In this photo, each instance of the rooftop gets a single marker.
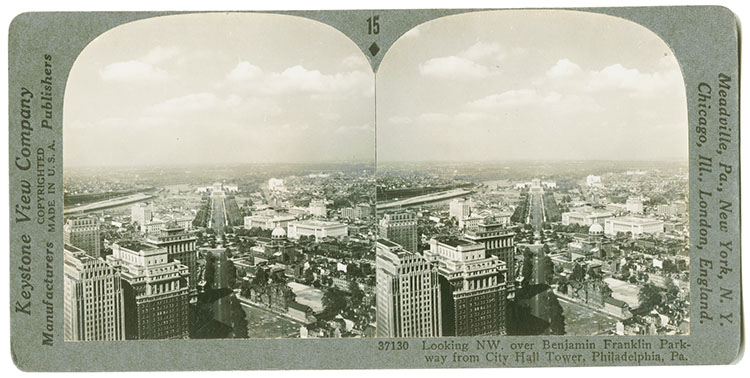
(318, 223)
(635, 220)
(454, 241)
(387, 243)
(72, 248)
(135, 245)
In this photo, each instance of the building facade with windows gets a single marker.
(400, 228)
(472, 286)
(316, 228)
(93, 301)
(408, 293)
(637, 226)
(180, 247)
(156, 291)
(84, 233)
(497, 241)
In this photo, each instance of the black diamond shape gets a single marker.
(374, 49)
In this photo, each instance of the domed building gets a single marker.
(596, 229)
(278, 233)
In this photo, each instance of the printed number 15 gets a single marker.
(373, 25)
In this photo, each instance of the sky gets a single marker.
(219, 89)
(530, 85)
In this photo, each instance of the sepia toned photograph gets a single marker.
(208, 191)
(320, 190)
(532, 179)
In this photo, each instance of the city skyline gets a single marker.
(238, 171)
(522, 85)
(219, 89)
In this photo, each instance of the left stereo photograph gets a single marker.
(207, 193)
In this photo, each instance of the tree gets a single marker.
(528, 265)
(261, 277)
(231, 274)
(356, 293)
(578, 273)
(649, 296)
(593, 274)
(209, 274)
(549, 269)
(309, 277)
(671, 290)
(334, 300)
(669, 267)
(352, 270)
(556, 317)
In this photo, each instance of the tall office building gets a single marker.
(92, 298)
(180, 247)
(408, 293)
(318, 208)
(634, 205)
(400, 228)
(156, 291)
(460, 208)
(472, 287)
(141, 213)
(497, 242)
(83, 232)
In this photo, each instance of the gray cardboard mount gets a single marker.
(705, 41)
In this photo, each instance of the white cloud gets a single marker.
(355, 128)
(514, 98)
(330, 116)
(140, 69)
(113, 122)
(472, 117)
(300, 79)
(131, 71)
(563, 68)
(205, 106)
(433, 118)
(618, 77)
(160, 54)
(466, 64)
(481, 50)
(244, 71)
(453, 67)
(400, 120)
(354, 61)
(193, 103)
(568, 77)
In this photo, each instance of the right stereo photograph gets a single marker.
(532, 179)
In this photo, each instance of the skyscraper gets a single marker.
(93, 298)
(141, 213)
(460, 208)
(156, 291)
(180, 246)
(318, 208)
(472, 286)
(83, 232)
(408, 293)
(497, 242)
(400, 228)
